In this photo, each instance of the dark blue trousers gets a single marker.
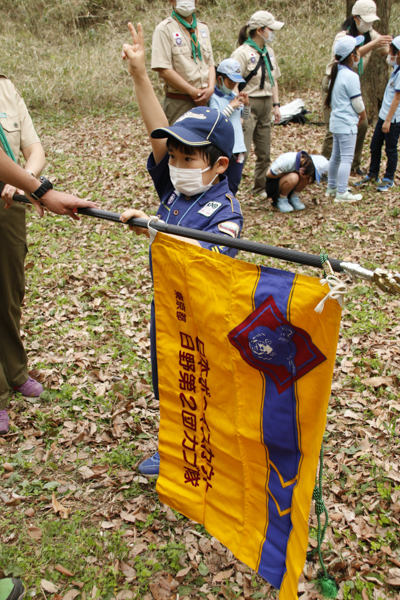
(390, 140)
(234, 173)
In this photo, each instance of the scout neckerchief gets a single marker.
(265, 55)
(5, 144)
(191, 28)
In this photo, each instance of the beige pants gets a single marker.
(13, 359)
(257, 129)
(328, 141)
(174, 108)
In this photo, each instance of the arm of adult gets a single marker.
(139, 214)
(392, 110)
(152, 113)
(56, 202)
(176, 81)
(379, 44)
(207, 92)
(35, 162)
(275, 100)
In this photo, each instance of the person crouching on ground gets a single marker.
(188, 166)
(289, 175)
(235, 107)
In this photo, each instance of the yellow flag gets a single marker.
(245, 367)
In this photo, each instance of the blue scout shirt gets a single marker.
(344, 118)
(215, 211)
(289, 162)
(220, 101)
(392, 87)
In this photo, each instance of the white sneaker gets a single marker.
(347, 197)
(330, 191)
(262, 194)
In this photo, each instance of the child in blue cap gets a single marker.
(289, 175)
(348, 110)
(387, 129)
(188, 166)
(236, 108)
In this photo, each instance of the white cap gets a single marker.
(262, 18)
(396, 42)
(346, 44)
(366, 9)
(320, 165)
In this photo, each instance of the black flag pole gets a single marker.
(386, 281)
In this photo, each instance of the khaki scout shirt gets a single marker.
(374, 34)
(248, 59)
(15, 119)
(172, 49)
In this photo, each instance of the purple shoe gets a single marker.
(4, 422)
(31, 388)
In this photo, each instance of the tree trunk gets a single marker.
(375, 77)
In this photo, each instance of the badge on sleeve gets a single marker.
(230, 228)
(252, 57)
(204, 33)
(171, 199)
(209, 209)
(177, 38)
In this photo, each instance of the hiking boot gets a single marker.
(4, 424)
(283, 205)
(367, 179)
(347, 197)
(385, 185)
(151, 466)
(30, 389)
(11, 589)
(296, 203)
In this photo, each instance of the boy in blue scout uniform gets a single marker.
(387, 129)
(187, 166)
(236, 107)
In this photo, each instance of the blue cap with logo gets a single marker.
(231, 68)
(346, 44)
(201, 126)
(321, 166)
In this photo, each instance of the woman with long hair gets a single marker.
(359, 23)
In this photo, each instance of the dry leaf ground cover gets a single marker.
(76, 518)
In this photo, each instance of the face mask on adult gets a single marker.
(269, 38)
(391, 60)
(363, 27)
(185, 7)
(189, 181)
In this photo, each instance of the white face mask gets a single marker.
(185, 7)
(364, 27)
(270, 38)
(355, 63)
(391, 60)
(189, 181)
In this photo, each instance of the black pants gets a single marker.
(390, 140)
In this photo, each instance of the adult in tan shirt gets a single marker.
(360, 23)
(260, 69)
(182, 55)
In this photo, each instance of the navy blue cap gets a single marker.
(201, 126)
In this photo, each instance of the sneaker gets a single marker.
(347, 197)
(4, 424)
(367, 179)
(296, 203)
(31, 388)
(11, 589)
(330, 192)
(262, 194)
(359, 172)
(283, 205)
(385, 185)
(151, 466)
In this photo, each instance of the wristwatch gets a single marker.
(45, 187)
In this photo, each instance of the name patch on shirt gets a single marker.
(230, 228)
(204, 33)
(209, 209)
(177, 38)
(171, 199)
(3, 115)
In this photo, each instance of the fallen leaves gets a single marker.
(48, 586)
(34, 532)
(59, 509)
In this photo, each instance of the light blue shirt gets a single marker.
(286, 163)
(220, 101)
(392, 87)
(344, 118)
